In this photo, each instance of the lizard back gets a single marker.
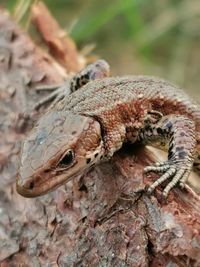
(105, 95)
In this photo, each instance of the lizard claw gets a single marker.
(169, 170)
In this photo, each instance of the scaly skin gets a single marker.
(92, 123)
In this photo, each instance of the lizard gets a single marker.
(102, 113)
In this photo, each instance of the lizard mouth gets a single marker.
(31, 189)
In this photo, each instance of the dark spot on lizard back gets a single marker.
(96, 154)
(159, 130)
(182, 155)
(86, 76)
(88, 160)
(171, 145)
(169, 125)
(170, 154)
(74, 132)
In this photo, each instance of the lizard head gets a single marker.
(58, 148)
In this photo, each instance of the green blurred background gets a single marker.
(157, 37)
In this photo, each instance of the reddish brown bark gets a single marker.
(60, 45)
(101, 219)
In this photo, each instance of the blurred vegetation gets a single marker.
(154, 37)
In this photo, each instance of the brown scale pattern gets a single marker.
(122, 103)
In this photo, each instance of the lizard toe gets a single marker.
(157, 167)
(168, 173)
(171, 171)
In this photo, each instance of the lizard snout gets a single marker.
(25, 187)
(29, 187)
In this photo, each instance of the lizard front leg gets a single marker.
(179, 133)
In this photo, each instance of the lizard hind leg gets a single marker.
(96, 70)
(179, 132)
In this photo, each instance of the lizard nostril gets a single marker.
(31, 185)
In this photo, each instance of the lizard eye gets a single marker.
(67, 159)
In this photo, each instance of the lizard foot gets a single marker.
(176, 172)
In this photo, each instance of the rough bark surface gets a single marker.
(101, 219)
